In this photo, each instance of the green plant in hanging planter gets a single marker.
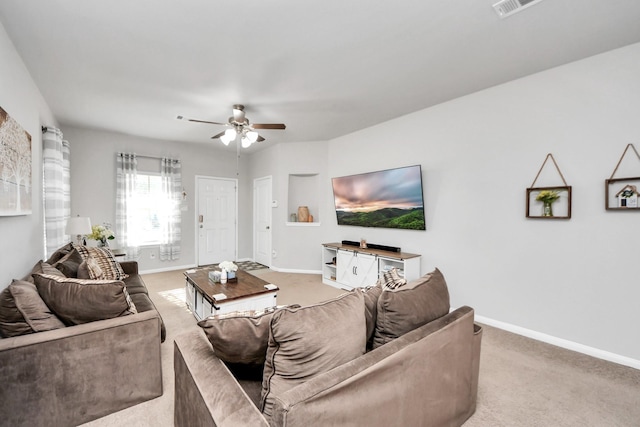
(547, 197)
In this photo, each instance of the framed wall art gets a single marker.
(622, 194)
(15, 167)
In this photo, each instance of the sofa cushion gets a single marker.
(308, 341)
(77, 301)
(371, 295)
(239, 337)
(69, 263)
(415, 304)
(135, 284)
(22, 311)
(105, 259)
(90, 269)
(143, 303)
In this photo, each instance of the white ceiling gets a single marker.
(325, 68)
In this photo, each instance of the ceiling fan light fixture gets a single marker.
(252, 136)
(239, 125)
(229, 135)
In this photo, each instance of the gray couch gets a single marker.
(72, 375)
(426, 377)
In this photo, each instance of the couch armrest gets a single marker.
(129, 267)
(206, 393)
(425, 377)
(76, 374)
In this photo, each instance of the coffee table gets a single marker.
(248, 292)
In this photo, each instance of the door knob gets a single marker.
(268, 228)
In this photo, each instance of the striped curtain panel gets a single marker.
(126, 174)
(171, 177)
(56, 188)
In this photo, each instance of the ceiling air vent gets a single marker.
(506, 8)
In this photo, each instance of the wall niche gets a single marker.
(303, 191)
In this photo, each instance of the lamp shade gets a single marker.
(229, 135)
(252, 136)
(78, 225)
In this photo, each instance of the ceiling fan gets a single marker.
(239, 125)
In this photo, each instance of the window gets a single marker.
(150, 209)
(148, 206)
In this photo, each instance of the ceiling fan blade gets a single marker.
(268, 126)
(200, 121)
(260, 139)
(217, 135)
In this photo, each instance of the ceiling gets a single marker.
(325, 68)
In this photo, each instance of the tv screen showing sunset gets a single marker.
(389, 198)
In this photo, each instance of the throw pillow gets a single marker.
(112, 270)
(77, 301)
(90, 269)
(308, 341)
(22, 311)
(41, 267)
(241, 336)
(404, 309)
(59, 253)
(391, 279)
(69, 263)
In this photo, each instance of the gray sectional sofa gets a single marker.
(426, 376)
(74, 374)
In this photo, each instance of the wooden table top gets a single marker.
(245, 285)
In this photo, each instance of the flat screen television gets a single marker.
(389, 198)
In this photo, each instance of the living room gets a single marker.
(559, 281)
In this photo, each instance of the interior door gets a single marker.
(216, 220)
(262, 220)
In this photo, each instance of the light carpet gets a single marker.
(523, 382)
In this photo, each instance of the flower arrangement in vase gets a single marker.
(547, 197)
(101, 233)
(230, 268)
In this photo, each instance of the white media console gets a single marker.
(348, 267)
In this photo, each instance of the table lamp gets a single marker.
(78, 226)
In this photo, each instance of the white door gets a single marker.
(216, 219)
(262, 220)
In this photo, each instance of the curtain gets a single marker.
(56, 188)
(126, 172)
(171, 178)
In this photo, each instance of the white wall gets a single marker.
(296, 248)
(93, 177)
(572, 279)
(21, 242)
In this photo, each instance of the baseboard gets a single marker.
(559, 342)
(293, 270)
(164, 270)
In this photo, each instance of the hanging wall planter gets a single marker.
(549, 202)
